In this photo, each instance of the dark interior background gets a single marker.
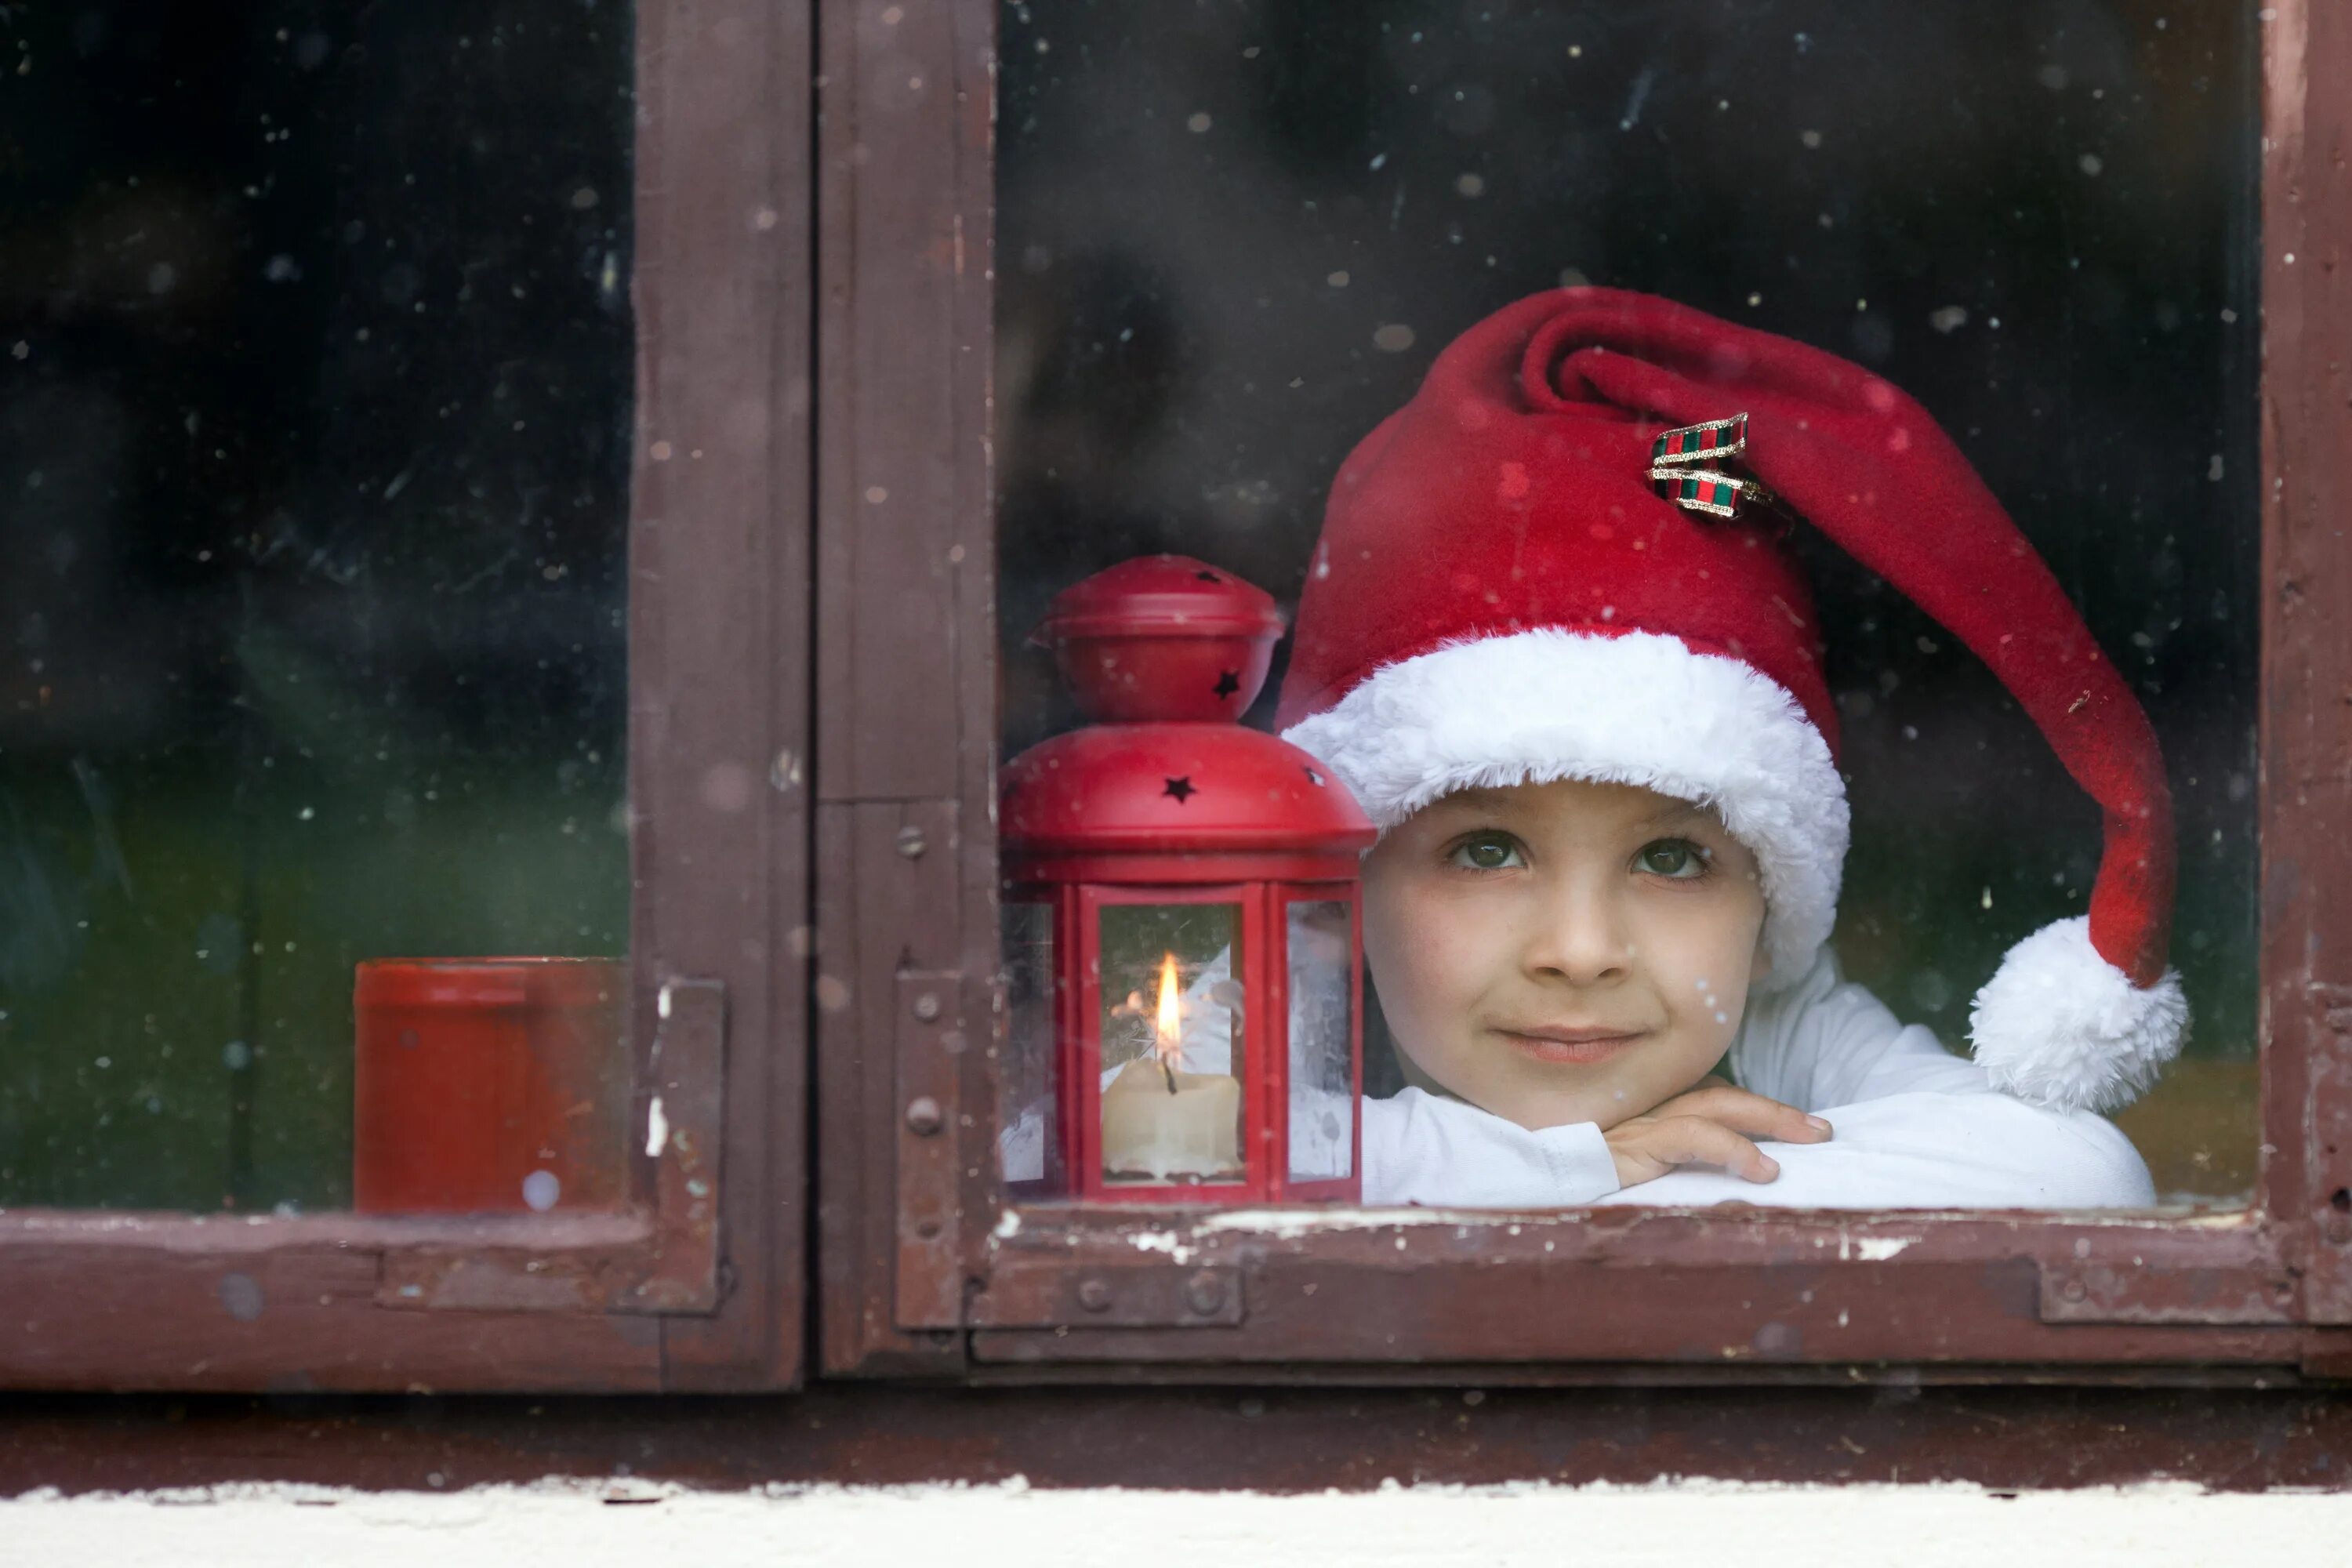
(314, 430)
(1233, 234)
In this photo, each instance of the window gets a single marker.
(935, 308)
(328, 663)
(369, 617)
(1226, 244)
(1210, 293)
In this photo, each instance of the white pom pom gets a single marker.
(2061, 1026)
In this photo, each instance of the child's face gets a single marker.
(1562, 952)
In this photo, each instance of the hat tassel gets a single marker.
(2059, 1026)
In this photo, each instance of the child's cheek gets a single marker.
(1410, 947)
(1701, 962)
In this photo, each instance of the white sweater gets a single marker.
(1915, 1128)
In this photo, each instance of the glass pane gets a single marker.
(316, 439)
(1233, 240)
(1322, 1041)
(1026, 1071)
(1171, 972)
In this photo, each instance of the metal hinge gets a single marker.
(938, 1014)
(1051, 1293)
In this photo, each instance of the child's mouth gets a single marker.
(1582, 1046)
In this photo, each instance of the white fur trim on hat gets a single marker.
(1636, 707)
(2062, 1026)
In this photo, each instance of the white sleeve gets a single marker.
(1419, 1148)
(1917, 1127)
(1926, 1150)
(1827, 1042)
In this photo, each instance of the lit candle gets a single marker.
(1160, 1121)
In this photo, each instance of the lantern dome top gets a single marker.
(1162, 637)
(1165, 653)
(1176, 789)
(1160, 596)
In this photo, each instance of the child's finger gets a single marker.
(1691, 1140)
(1753, 1114)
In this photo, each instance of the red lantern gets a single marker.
(1183, 934)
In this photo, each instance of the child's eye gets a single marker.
(1676, 858)
(1488, 852)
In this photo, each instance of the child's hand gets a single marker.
(1713, 1124)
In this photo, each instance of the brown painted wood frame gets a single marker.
(676, 1294)
(923, 1270)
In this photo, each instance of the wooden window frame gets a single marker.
(924, 1268)
(699, 1284)
(812, 616)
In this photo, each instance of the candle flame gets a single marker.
(1168, 1039)
(1169, 1043)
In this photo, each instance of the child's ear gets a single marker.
(1761, 964)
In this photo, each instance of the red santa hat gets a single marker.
(1562, 559)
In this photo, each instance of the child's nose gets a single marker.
(1581, 937)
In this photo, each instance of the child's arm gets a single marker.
(1421, 1148)
(1928, 1149)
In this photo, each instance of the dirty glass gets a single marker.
(1027, 1124)
(1322, 1038)
(1231, 236)
(314, 431)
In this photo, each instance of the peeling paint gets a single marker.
(1165, 1241)
(1847, 1233)
(1312, 1222)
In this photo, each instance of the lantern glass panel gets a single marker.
(1171, 1022)
(1026, 1146)
(1322, 1039)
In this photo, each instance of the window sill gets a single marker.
(1657, 1287)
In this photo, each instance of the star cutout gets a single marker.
(1181, 789)
(1314, 778)
(1207, 577)
(1228, 683)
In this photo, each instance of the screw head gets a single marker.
(2073, 1290)
(1094, 1295)
(1204, 1292)
(910, 843)
(927, 1006)
(924, 1116)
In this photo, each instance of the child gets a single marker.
(1559, 653)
